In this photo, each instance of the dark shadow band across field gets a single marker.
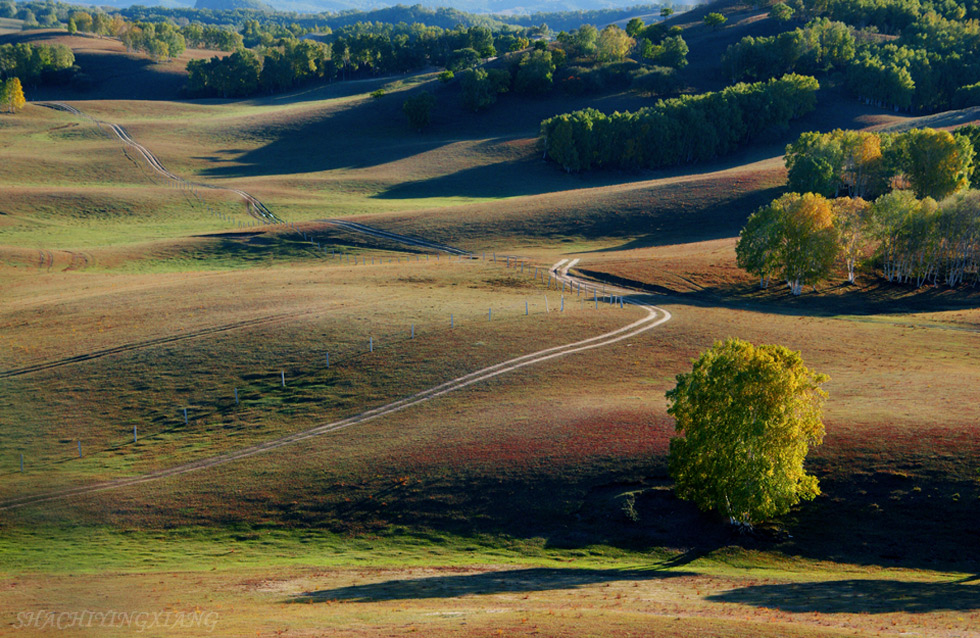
(481, 584)
(871, 299)
(858, 596)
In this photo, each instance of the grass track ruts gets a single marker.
(256, 207)
(655, 316)
(127, 347)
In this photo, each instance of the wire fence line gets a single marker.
(337, 356)
(252, 390)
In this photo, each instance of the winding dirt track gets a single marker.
(256, 207)
(654, 317)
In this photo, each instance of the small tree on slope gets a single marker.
(12, 96)
(747, 417)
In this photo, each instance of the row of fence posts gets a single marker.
(614, 300)
(565, 285)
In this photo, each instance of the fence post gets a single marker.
(563, 303)
(283, 373)
(546, 303)
(185, 417)
(21, 462)
(236, 396)
(134, 434)
(451, 321)
(525, 307)
(413, 331)
(79, 449)
(490, 314)
(328, 359)
(370, 344)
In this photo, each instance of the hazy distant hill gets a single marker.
(230, 5)
(518, 7)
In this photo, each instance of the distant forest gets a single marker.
(443, 17)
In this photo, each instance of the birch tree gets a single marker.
(793, 237)
(936, 163)
(850, 220)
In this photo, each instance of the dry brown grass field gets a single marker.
(533, 503)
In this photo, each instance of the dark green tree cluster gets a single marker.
(245, 73)
(34, 63)
(659, 44)
(161, 40)
(236, 75)
(206, 36)
(370, 49)
(888, 16)
(867, 164)
(302, 23)
(818, 47)
(256, 32)
(682, 130)
(418, 109)
(293, 63)
(906, 78)
(931, 65)
(479, 87)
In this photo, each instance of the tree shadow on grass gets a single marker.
(495, 582)
(858, 596)
(868, 300)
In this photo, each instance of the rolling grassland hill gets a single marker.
(243, 422)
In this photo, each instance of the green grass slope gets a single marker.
(535, 503)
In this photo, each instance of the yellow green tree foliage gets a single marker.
(936, 163)
(12, 96)
(746, 416)
(865, 164)
(793, 237)
(613, 44)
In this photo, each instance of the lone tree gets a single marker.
(747, 416)
(418, 109)
(781, 12)
(715, 20)
(12, 96)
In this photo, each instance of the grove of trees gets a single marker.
(929, 60)
(161, 40)
(34, 62)
(819, 46)
(747, 416)
(864, 164)
(921, 228)
(681, 130)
